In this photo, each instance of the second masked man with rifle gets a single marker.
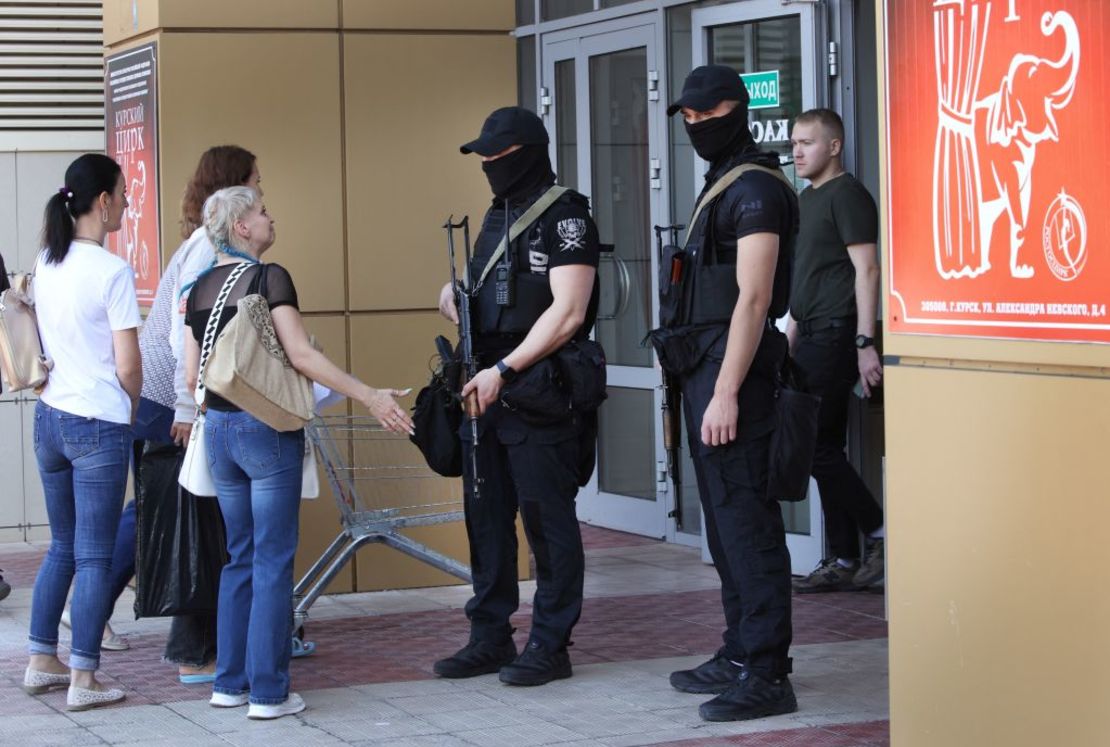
(532, 308)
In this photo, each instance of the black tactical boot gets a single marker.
(714, 676)
(537, 666)
(751, 697)
(475, 658)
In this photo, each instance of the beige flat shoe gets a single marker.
(111, 641)
(37, 683)
(83, 699)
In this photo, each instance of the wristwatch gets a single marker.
(863, 341)
(508, 373)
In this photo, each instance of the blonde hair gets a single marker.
(222, 209)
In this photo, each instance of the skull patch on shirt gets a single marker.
(572, 234)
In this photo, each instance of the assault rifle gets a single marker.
(469, 362)
(672, 402)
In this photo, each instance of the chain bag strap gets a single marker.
(196, 475)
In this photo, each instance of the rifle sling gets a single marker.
(520, 225)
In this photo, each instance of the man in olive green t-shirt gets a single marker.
(831, 329)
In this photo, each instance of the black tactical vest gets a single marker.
(533, 290)
(706, 291)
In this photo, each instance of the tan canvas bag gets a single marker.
(21, 358)
(249, 368)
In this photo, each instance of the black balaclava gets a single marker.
(716, 138)
(519, 173)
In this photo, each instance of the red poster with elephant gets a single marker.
(997, 113)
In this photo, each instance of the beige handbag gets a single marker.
(250, 369)
(21, 358)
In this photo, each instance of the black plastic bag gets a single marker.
(794, 440)
(182, 542)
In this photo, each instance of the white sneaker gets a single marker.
(293, 704)
(109, 642)
(223, 700)
(82, 699)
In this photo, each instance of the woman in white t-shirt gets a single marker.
(88, 319)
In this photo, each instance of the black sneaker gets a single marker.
(475, 658)
(537, 666)
(714, 676)
(751, 697)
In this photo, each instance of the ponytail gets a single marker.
(57, 228)
(86, 179)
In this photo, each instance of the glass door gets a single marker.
(774, 49)
(601, 104)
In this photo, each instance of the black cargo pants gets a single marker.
(828, 357)
(743, 527)
(533, 469)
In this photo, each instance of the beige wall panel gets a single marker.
(381, 567)
(1076, 355)
(34, 499)
(429, 14)
(278, 96)
(998, 524)
(252, 14)
(320, 517)
(12, 466)
(394, 350)
(37, 176)
(124, 19)
(405, 173)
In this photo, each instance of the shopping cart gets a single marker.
(379, 492)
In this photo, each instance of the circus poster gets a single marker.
(996, 114)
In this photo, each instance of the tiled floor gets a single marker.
(651, 608)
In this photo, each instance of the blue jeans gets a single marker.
(257, 471)
(83, 465)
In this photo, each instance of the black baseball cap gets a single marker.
(512, 125)
(709, 85)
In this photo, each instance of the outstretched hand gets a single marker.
(390, 414)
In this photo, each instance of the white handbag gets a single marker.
(196, 474)
(310, 477)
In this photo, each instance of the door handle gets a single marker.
(624, 287)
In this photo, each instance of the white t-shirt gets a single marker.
(80, 302)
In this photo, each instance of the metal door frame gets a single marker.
(580, 44)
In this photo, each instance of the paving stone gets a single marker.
(443, 702)
(520, 736)
(371, 681)
(372, 730)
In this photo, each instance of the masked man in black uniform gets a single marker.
(533, 455)
(718, 297)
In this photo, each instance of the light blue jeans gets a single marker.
(83, 463)
(257, 471)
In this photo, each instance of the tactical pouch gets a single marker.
(581, 366)
(794, 440)
(681, 349)
(538, 395)
(672, 271)
(437, 416)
